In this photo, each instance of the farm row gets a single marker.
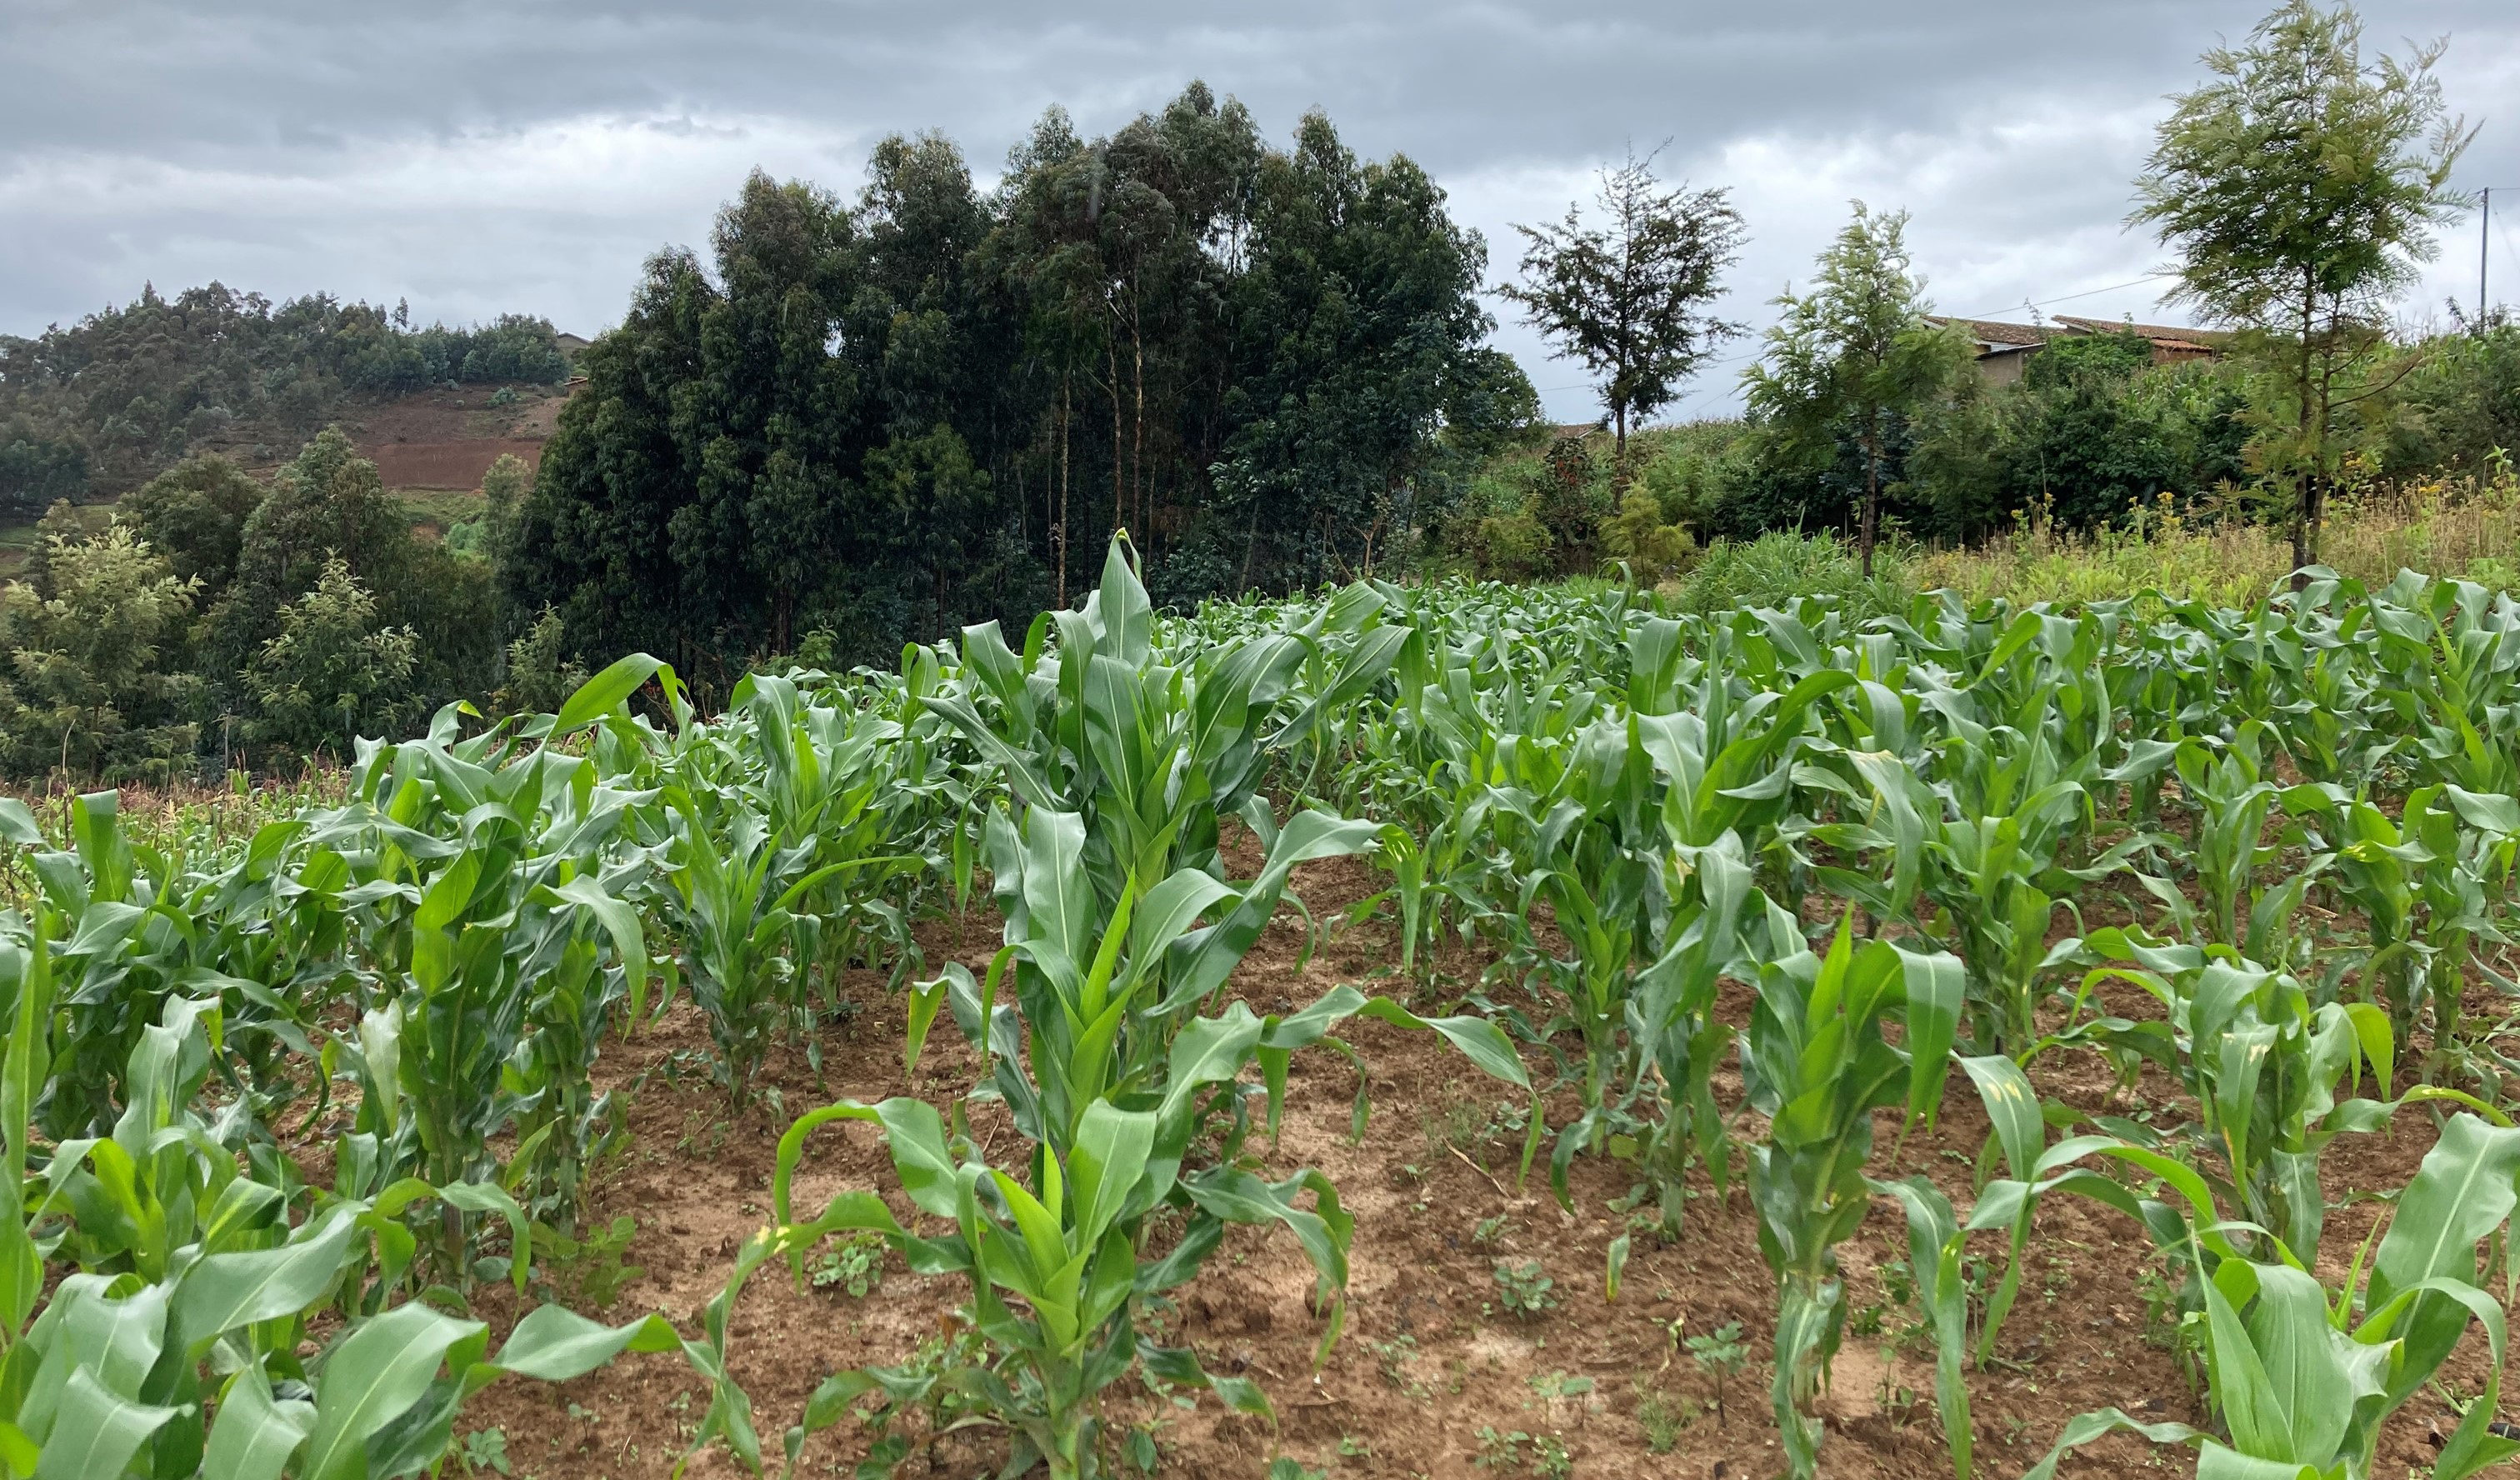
(298, 1120)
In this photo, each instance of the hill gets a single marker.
(90, 410)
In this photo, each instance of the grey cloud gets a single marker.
(479, 156)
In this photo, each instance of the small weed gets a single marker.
(1500, 1453)
(1396, 1357)
(588, 1272)
(1719, 1354)
(1490, 1230)
(1543, 1455)
(1663, 1419)
(1549, 1459)
(486, 1450)
(856, 1266)
(1525, 1286)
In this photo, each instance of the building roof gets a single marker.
(1990, 331)
(2158, 334)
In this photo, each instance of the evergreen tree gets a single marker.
(1853, 359)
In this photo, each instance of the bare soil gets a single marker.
(1431, 1361)
(445, 439)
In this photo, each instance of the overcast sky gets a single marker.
(479, 157)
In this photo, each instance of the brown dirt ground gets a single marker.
(1430, 1357)
(445, 439)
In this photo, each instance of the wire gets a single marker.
(1731, 359)
(2089, 293)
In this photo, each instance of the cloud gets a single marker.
(479, 158)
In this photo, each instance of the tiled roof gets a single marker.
(1989, 331)
(2159, 334)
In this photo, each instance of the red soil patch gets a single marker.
(445, 464)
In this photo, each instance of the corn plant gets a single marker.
(2302, 1386)
(187, 1282)
(1818, 1066)
(2265, 1068)
(736, 891)
(1157, 750)
(1131, 1104)
(1682, 1040)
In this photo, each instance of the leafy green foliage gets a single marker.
(2299, 186)
(93, 683)
(334, 672)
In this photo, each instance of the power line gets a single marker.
(2089, 293)
(1731, 359)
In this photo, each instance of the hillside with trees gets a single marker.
(93, 410)
(851, 423)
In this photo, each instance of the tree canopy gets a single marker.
(883, 418)
(1854, 358)
(1630, 297)
(2299, 186)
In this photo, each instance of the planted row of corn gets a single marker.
(1875, 832)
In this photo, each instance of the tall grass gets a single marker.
(2467, 528)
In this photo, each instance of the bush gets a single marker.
(1638, 535)
(88, 687)
(1778, 567)
(1513, 547)
(541, 675)
(334, 673)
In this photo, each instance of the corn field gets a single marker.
(1719, 901)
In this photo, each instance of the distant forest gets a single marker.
(855, 422)
(96, 409)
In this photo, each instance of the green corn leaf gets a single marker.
(606, 692)
(96, 1432)
(371, 1377)
(254, 1435)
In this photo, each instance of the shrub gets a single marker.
(88, 686)
(334, 672)
(1783, 565)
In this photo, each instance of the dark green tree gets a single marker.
(1854, 360)
(193, 514)
(1365, 394)
(334, 672)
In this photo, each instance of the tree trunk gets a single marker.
(1138, 429)
(1111, 362)
(1869, 529)
(1059, 531)
(2305, 483)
